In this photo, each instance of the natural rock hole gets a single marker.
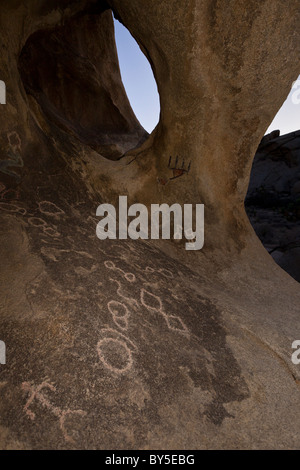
(273, 200)
(199, 355)
(69, 77)
(76, 83)
(138, 78)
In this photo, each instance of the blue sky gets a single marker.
(138, 78)
(142, 92)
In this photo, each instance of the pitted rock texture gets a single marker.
(140, 344)
(116, 345)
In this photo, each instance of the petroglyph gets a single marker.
(131, 300)
(164, 272)
(84, 253)
(175, 323)
(108, 349)
(5, 206)
(111, 332)
(178, 168)
(153, 303)
(51, 232)
(114, 352)
(36, 394)
(49, 208)
(130, 277)
(81, 271)
(149, 270)
(137, 284)
(37, 222)
(120, 313)
(52, 253)
(47, 229)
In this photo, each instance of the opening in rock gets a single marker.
(273, 200)
(288, 117)
(138, 79)
(77, 84)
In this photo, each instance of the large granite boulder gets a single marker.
(140, 344)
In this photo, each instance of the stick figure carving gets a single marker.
(36, 393)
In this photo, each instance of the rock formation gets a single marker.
(273, 199)
(139, 344)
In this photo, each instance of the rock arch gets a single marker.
(223, 70)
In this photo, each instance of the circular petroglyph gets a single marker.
(115, 355)
(109, 264)
(120, 313)
(130, 277)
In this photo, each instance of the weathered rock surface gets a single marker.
(126, 345)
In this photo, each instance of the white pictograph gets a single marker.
(7, 207)
(153, 303)
(36, 394)
(130, 277)
(115, 351)
(120, 313)
(49, 230)
(49, 208)
(162, 271)
(131, 300)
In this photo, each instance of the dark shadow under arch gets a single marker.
(72, 72)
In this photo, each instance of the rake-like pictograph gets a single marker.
(178, 169)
